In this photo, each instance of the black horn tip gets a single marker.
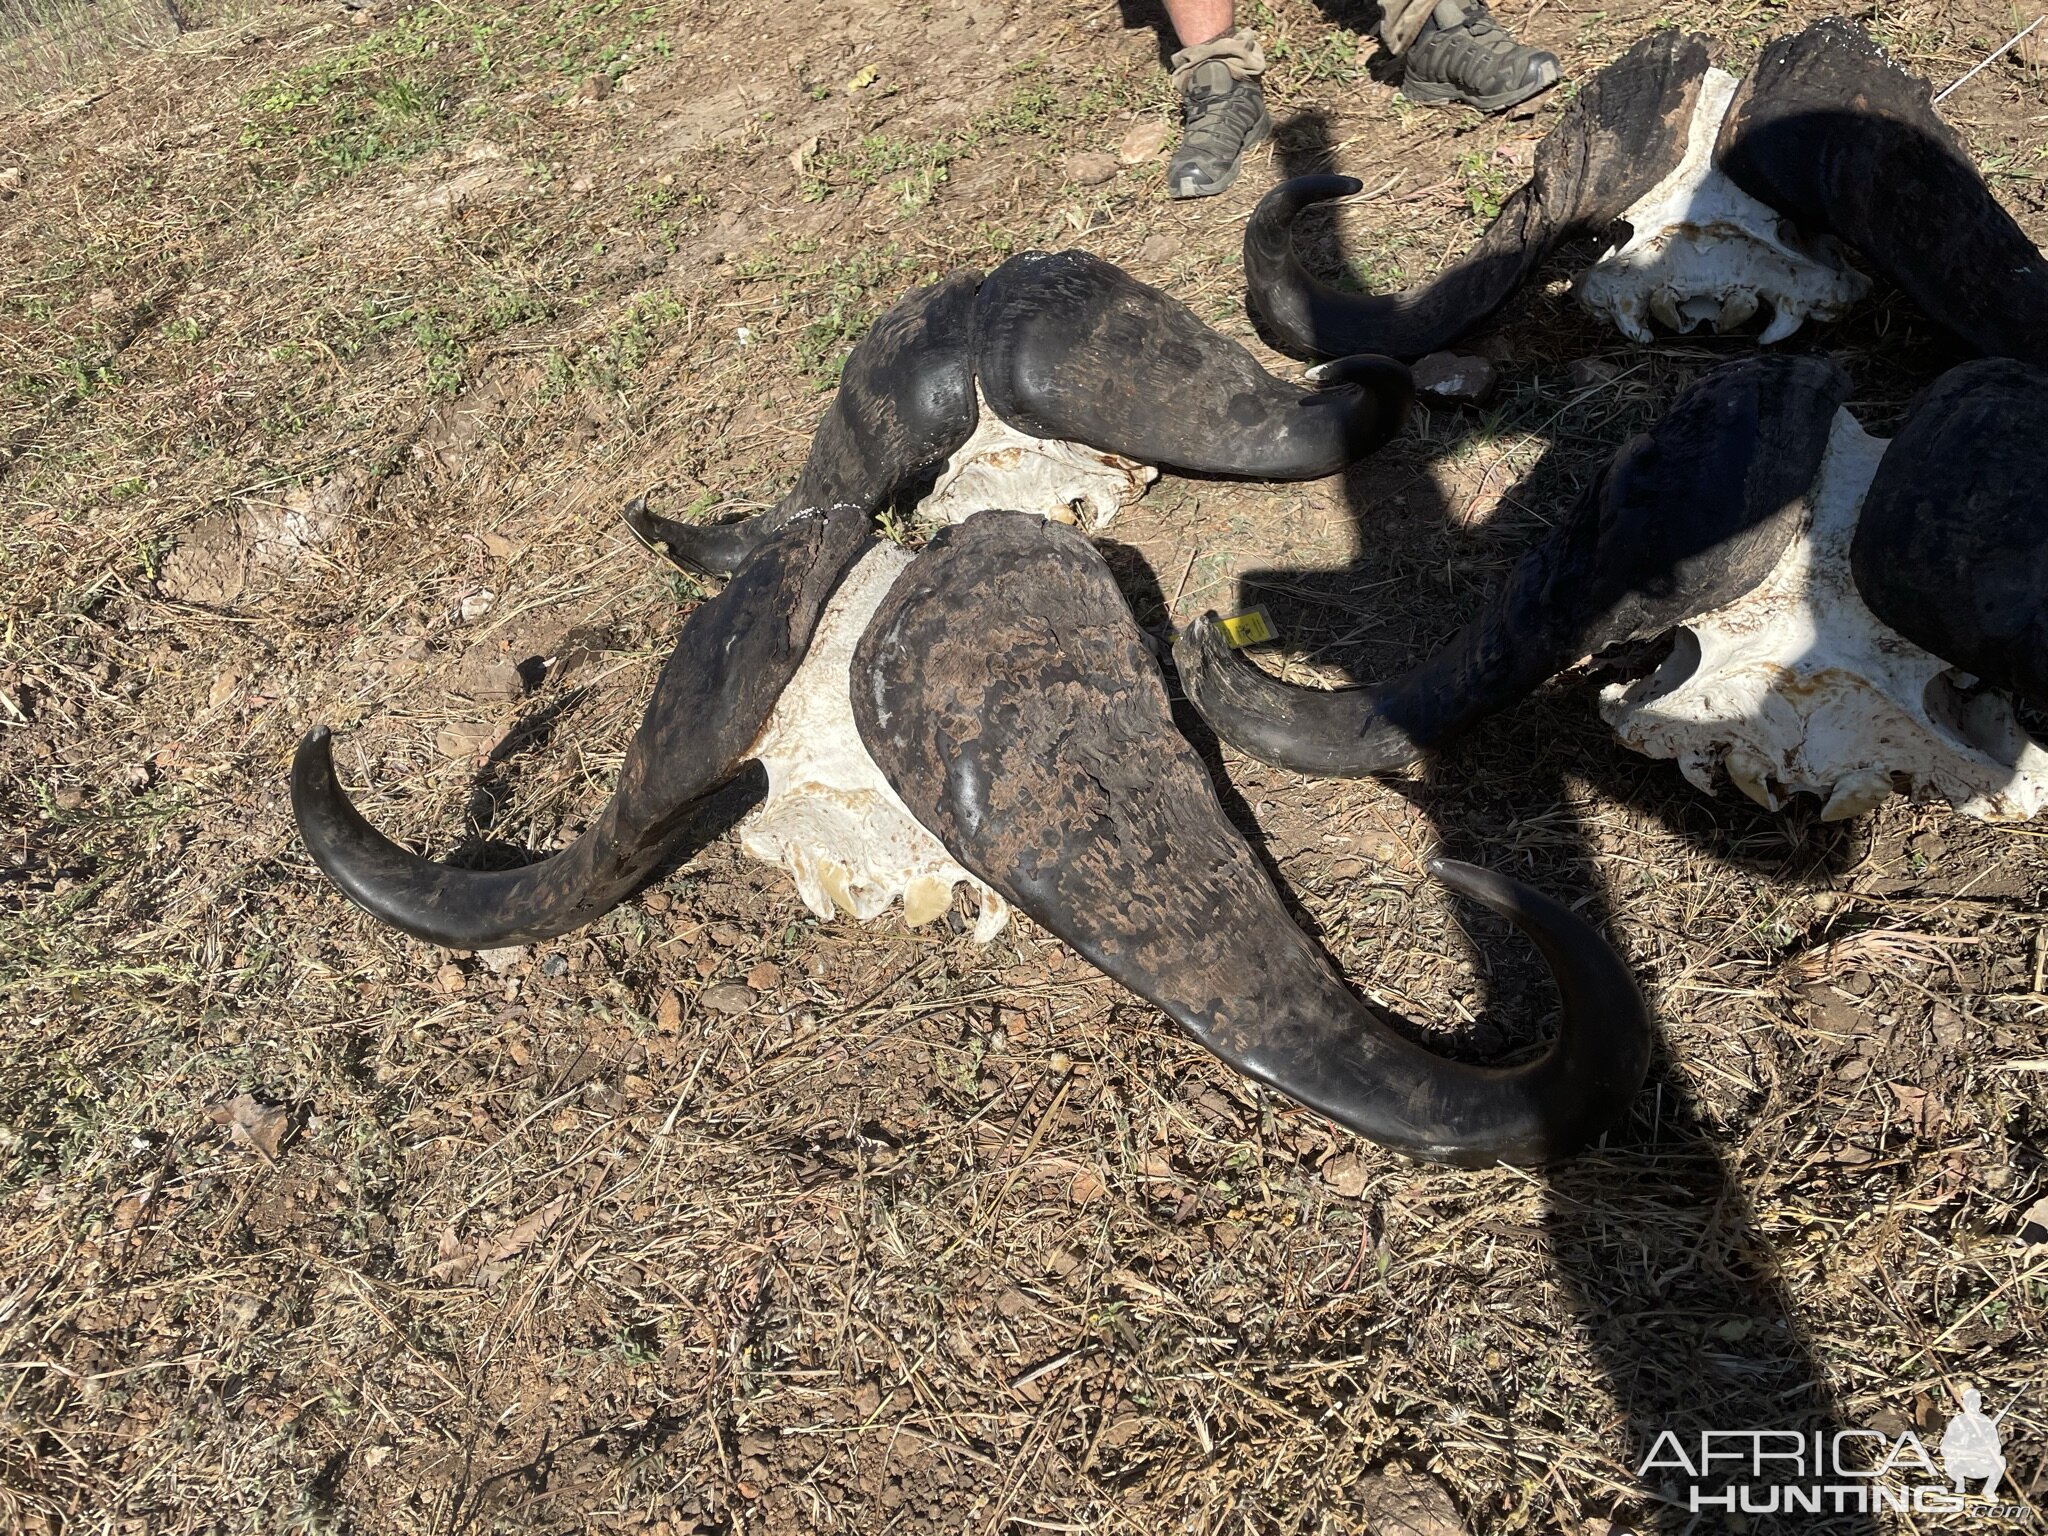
(1299, 192)
(640, 523)
(1605, 1044)
(313, 761)
(1386, 381)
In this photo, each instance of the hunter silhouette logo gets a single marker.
(1970, 1446)
(1864, 1471)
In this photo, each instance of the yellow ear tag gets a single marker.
(1252, 627)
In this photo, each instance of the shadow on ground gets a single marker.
(1656, 1245)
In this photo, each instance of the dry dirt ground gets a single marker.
(331, 341)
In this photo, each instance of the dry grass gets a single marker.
(327, 352)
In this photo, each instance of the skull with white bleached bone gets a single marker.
(1738, 195)
(1704, 252)
(1849, 618)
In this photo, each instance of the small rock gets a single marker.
(224, 688)
(1142, 143)
(582, 186)
(499, 961)
(555, 965)
(764, 977)
(476, 604)
(459, 741)
(10, 180)
(729, 998)
(69, 798)
(490, 679)
(1591, 373)
(1159, 250)
(668, 1013)
(1090, 168)
(595, 88)
(1462, 380)
(1401, 1503)
(451, 978)
(1345, 1175)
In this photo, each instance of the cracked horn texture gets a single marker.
(1009, 698)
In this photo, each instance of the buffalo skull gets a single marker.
(1846, 616)
(988, 711)
(1736, 197)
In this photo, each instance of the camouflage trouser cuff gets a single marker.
(1402, 21)
(1237, 52)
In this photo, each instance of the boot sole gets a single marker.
(1253, 140)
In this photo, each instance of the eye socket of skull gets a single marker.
(1983, 718)
(1664, 674)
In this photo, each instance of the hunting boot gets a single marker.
(1462, 55)
(1223, 113)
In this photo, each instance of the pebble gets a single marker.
(764, 977)
(1462, 380)
(1142, 143)
(466, 740)
(729, 998)
(1090, 168)
(1345, 1175)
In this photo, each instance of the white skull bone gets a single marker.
(1000, 466)
(830, 818)
(1703, 251)
(1797, 687)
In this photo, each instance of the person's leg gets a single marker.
(1223, 107)
(1454, 51)
(1201, 21)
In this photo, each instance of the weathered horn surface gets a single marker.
(1069, 346)
(735, 655)
(1685, 518)
(1838, 138)
(905, 402)
(1623, 135)
(1952, 547)
(1008, 697)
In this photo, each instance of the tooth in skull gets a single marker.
(1704, 252)
(1797, 687)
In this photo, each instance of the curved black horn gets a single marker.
(1683, 519)
(1006, 693)
(735, 655)
(905, 403)
(1837, 137)
(1951, 549)
(1625, 133)
(1068, 346)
